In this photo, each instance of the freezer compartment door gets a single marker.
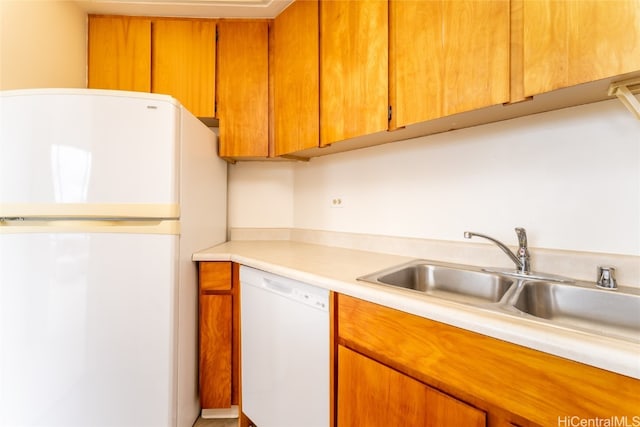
(87, 329)
(88, 146)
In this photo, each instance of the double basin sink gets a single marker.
(547, 299)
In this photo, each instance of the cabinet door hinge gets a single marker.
(389, 115)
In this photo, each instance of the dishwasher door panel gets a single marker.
(285, 351)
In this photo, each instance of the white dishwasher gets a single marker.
(285, 351)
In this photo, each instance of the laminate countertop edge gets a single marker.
(336, 269)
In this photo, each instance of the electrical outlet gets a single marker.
(337, 202)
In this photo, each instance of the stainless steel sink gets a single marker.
(562, 302)
(605, 312)
(461, 284)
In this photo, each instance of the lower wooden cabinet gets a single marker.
(215, 351)
(374, 395)
(219, 343)
(390, 364)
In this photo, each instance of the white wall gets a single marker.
(570, 177)
(42, 44)
(261, 194)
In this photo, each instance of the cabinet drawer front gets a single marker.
(215, 276)
(486, 372)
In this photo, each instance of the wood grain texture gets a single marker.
(296, 78)
(245, 421)
(271, 86)
(242, 97)
(516, 86)
(353, 69)
(183, 62)
(571, 42)
(534, 387)
(447, 57)
(219, 333)
(373, 395)
(119, 53)
(215, 276)
(215, 351)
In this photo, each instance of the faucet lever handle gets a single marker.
(522, 237)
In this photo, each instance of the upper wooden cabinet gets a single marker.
(296, 81)
(170, 56)
(328, 71)
(119, 53)
(571, 42)
(354, 95)
(243, 88)
(183, 63)
(447, 57)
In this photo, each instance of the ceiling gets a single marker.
(187, 8)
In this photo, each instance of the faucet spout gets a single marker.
(521, 260)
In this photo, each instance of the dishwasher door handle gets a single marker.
(277, 287)
(297, 292)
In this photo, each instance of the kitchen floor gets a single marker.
(220, 422)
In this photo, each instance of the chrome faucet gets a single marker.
(522, 259)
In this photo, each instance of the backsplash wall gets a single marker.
(570, 177)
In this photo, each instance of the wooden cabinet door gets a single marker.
(215, 351)
(242, 96)
(571, 42)
(184, 63)
(354, 95)
(296, 92)
(219, 334)
(119, 53)
(374, 395)
(447, 57)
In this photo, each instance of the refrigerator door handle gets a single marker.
(90, 210)
(150, 226)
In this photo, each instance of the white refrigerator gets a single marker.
(104, 196)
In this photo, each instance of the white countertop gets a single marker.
(336, 269)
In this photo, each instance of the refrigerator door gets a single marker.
(64, 149)
(87, 329)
